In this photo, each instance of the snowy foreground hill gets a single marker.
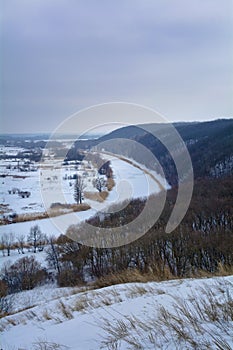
(177, 314)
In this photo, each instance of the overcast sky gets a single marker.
(59, 56)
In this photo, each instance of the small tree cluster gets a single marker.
(35, 239)
(68, 259)
(7, 243)
(25, 274)
(99, 183)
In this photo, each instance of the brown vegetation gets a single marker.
(110, 183)
(200, 246)
(182, 324)
(129, 276)
(24, 274)
(57, 210)
(96, 196)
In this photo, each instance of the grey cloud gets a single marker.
(59, 56)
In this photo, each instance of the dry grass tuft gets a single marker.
(45, 345)
(126, 276)
(65, 309)
(132, 275)
(96, 196)
(83, 303)
(202, 321)
(135, 291)
(224, 270)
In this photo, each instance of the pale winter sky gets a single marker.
(60, 56)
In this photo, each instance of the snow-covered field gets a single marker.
(130, 182)
(46, 179)
(123, 317)
(28, 181)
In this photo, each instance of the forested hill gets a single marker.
(210, 145)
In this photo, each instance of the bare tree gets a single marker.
(99, 183)
(53, 254)
(2, 245)
(36, 238)
(21, 243)
(79, 187)
(7, 242)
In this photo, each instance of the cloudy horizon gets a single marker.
(58, 57)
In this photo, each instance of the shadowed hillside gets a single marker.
(210, 145)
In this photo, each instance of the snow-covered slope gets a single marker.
(169, 315)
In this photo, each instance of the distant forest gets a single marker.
(210, 145)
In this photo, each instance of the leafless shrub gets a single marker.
(137, 290)
(83, 302)
(5, 306)
(65, 309)
(45, 345)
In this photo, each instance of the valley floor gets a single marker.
(130, 182)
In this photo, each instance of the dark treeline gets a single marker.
(201, 244)
(23, 141)
(210, 145)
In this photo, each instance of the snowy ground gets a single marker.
(14, 256)
(79, 319)
(28, 181)
(75, 318)
(49, 179)
(131, 182)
